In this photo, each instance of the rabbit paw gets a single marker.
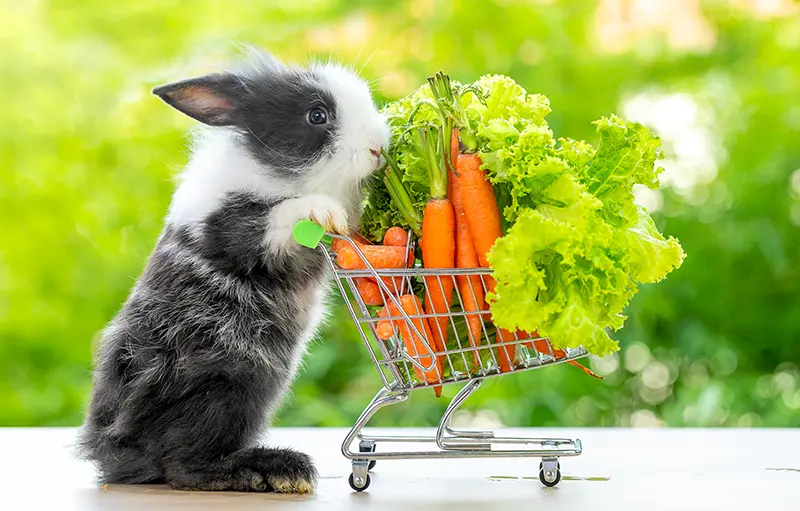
(328, 213)
(323, 209)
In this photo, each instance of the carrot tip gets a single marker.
(585, 370)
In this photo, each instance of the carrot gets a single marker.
(454, 152)
(438, 233)
(415, 346)
(505, 354)
(438, 224)
(469, 287)
(377, 256)
(586, 370)
(369, 291)
(480, 205)
(543, 346)
(350, 255)
(385, 329)
(395, 237)
(356, 237)
(483, 220)
(338, 243)
(524, 335)
(477, 194)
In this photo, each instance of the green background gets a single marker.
(89, 158)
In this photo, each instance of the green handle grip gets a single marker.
(308, 233)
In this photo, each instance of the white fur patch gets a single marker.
(220, 165)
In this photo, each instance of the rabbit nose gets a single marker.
(375, 152)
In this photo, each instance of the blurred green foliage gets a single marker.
(89, 157)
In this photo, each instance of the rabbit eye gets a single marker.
(318, 115)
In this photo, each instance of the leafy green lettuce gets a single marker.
(575, 245)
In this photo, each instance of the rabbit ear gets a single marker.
(215, 100)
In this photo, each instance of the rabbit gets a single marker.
(196, 362)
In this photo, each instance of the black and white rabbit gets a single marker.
(202, 352)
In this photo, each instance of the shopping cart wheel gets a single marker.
(365, 446)
(550, 472)
(363, 481)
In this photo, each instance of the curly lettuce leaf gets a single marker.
(575, 245)
(625, 156)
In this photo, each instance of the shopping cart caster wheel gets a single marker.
(368, 448)
(354, 482)
(550, 473)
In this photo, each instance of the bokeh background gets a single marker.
(89, 158)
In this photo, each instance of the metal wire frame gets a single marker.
(400, 365)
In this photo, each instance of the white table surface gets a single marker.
(620, 469)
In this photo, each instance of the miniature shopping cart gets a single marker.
(468, 363)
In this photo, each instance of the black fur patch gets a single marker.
(268, 106)
(276, 124)
(194, 364)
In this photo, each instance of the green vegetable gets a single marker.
(578, 245)
(575, 245)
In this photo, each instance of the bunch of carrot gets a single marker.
(478, 215)
(393, 253)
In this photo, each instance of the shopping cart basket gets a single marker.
(467, 362)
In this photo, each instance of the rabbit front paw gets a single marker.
(327, 212)
(323, 209)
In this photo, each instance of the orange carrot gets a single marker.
(472, 297)
(395, 237)
(454, 152)
(526, 335)
(480, 205)
(385, 329)
(438, 232)
(586, 370)
(369, 291)
(415, 346)
(338, 243)
(377, 256)
(438, 224)
(395, 284)
(506, 353)
(356, 237)
(483, 219)
(543, 347)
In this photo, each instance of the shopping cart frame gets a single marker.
(393, 361)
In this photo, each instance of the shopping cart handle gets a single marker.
(308, 233)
